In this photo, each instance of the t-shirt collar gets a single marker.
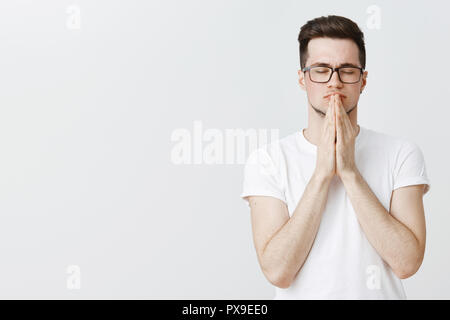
(313, 148)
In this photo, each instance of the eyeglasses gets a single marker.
(322, 74)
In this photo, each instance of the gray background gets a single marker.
(86, 118)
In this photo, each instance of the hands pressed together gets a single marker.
(336, 149)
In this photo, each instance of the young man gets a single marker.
(336, 208)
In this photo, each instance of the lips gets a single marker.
(328, 95)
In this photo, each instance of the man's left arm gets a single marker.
(399, 235)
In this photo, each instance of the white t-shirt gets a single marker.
(342, 263)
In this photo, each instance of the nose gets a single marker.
(334, 81)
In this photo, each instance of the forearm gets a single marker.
(286, 252)
(393, 241)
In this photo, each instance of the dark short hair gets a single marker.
(331, 27)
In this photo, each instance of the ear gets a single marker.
(301, 79)
(364, 80)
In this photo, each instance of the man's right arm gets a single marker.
(283, 243)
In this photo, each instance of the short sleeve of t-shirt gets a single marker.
(410, 167)
(262, 176)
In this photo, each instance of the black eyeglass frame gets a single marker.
(332, 71)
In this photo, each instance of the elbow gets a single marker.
(404, 275)
(409, 269)
(276, 274)
(282, 283)
(278, 279)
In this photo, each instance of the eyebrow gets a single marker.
(345, 64)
